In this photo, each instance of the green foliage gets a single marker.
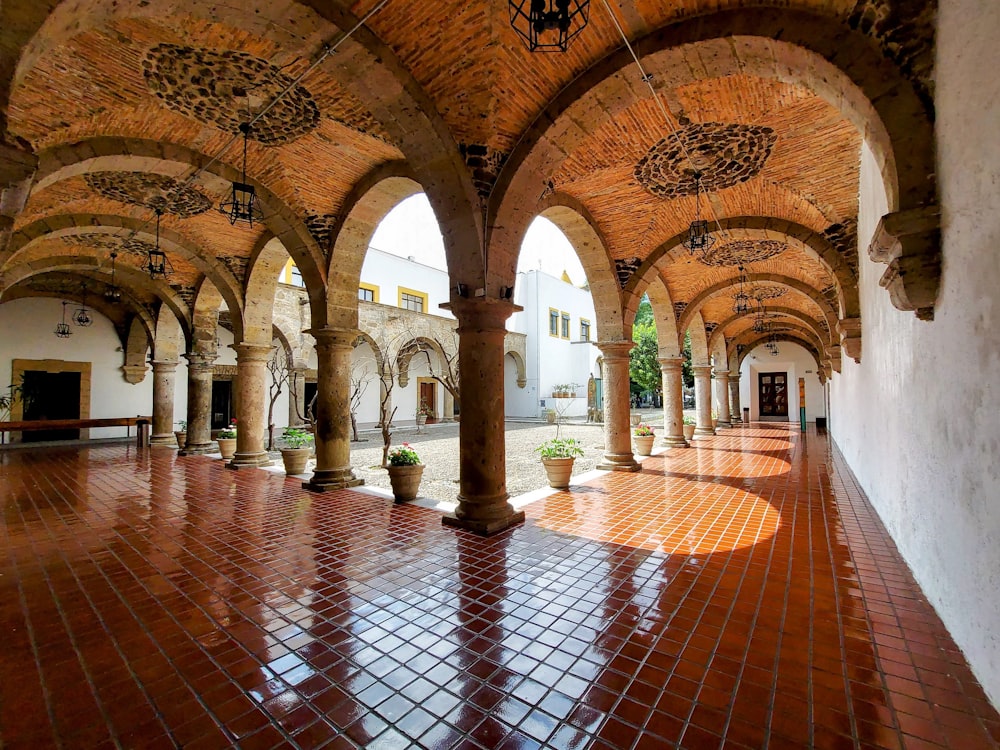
(296, 437)
(227, 433)
(689, 420)
(643, 367)
(687, 372)
(642, 430)
(644, 315)
(560, 448)
(404, 455)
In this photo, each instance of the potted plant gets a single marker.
(181, 434)
(296, 453)
(550, 416)
(226, 438)
(423, 411)
(689, 425)
(405, 471)
(644, 436)
(558, 455)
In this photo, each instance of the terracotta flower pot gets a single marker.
(689, 431)
(558, 471)
(295, 459)
(405, 481)
(644, 444)
(182, 438)
(227, 447)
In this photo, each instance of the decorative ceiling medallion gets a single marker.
(742, 251)
(725, 155)
(217, 87)
(767, 292)
(112, 243)
(155, 191)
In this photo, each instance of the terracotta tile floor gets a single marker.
(741, 594)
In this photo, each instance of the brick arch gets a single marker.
(69, 225)
(750, 343)
(137, 342)
(261, 285)
(695, 325)
(522, 376)
(668, 338)
(816, 50)
(364, 338)
(24, 271)
(810, 324)
(842, 276)
(409, 350)
(794, 284)
(168, 337)
(372, 199)
(277, 334)
(205, 319)
(576, 223)
(136, 154)
(717, 347)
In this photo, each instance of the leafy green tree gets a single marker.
(643, 369)
(687, 372)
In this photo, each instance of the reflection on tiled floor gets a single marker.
(740, 594)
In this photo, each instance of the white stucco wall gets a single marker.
(28, 326)
(917, 419)
(791, 359)
(389, 272)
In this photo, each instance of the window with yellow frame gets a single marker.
(411, 299)
(367, 292)
(553, 322)
(564, 317)
(584, 329)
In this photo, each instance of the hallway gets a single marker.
(741, 593)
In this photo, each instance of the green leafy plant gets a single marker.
(404, 455)
(689, 420)
(560, 448)
(424, 410)
(296, 437)
(182, 423)
(643, 430)
(228, 433)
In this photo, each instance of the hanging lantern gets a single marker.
(699, 239)
(741, 300)
(548, 25)
(82, 315)
(157, 263)
(243, 204)
(113, 294)
(62, 330)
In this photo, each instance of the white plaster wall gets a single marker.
(28, 326)
(390, 272)
(798, 363)
(917, 419)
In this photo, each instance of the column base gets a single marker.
(169, 440)
(485, 527)
(250, 461)
(199, 449)
(724, 425)
(619, 462)
(327, 480)
(703, 432)
(671, 441)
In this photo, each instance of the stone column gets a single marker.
(722, 396)
(482, 483)
(448, 408)
(703, 400)
(251, 393)
(333, 410)
(296, 395)
(672, 374)
(163, 403)
(617, 430)
(199, 404)
(734, 395)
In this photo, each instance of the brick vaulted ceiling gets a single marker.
(132, 106)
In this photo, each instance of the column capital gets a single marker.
(200, 360)
(615, 349)
(160, 365)
(722, 373)
(484, 313)
(252, 352)
(134, 373)
(671, 363)
(337, 338)
(704, 371)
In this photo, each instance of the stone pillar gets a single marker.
(703, 400)
(251, 393)
(296, 395)
(617, 430)
(734, 395)
(482, 483)
(199, 404)
(722, 396)
(672, 374)
(333, 410)
(163, 404)
(448, 408)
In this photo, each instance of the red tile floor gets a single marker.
(741, 594)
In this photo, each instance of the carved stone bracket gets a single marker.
(134, 373)
(850, 337)
(909, 242)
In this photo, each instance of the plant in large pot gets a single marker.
(182, 433)
(297, 448)
(643, 435)
(558, 455)
(226, 438)
(689, 425)
(405, 471)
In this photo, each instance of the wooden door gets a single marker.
(53, 395)
(773, 394)
(428, 398)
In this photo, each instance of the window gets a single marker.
(410, 299)
(367, 292)
(565, 325)
(584, 329)
(290, 274)
(297, 277)
(553, 322)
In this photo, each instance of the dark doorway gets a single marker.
(222, 403)
(428, 398)
(773, 394)
(310, 394)
(51, 395)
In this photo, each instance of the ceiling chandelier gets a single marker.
(741, 300)
(82, 315)
(698, 237)
(157, 263)
(62, 330)
(243, 204)
(113, 293)
(548, 25)
(760, 324)
(772, 344)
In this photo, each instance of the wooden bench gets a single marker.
(142, 425)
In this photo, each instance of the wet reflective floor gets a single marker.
(740, 594)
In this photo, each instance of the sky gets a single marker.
(411, 229)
